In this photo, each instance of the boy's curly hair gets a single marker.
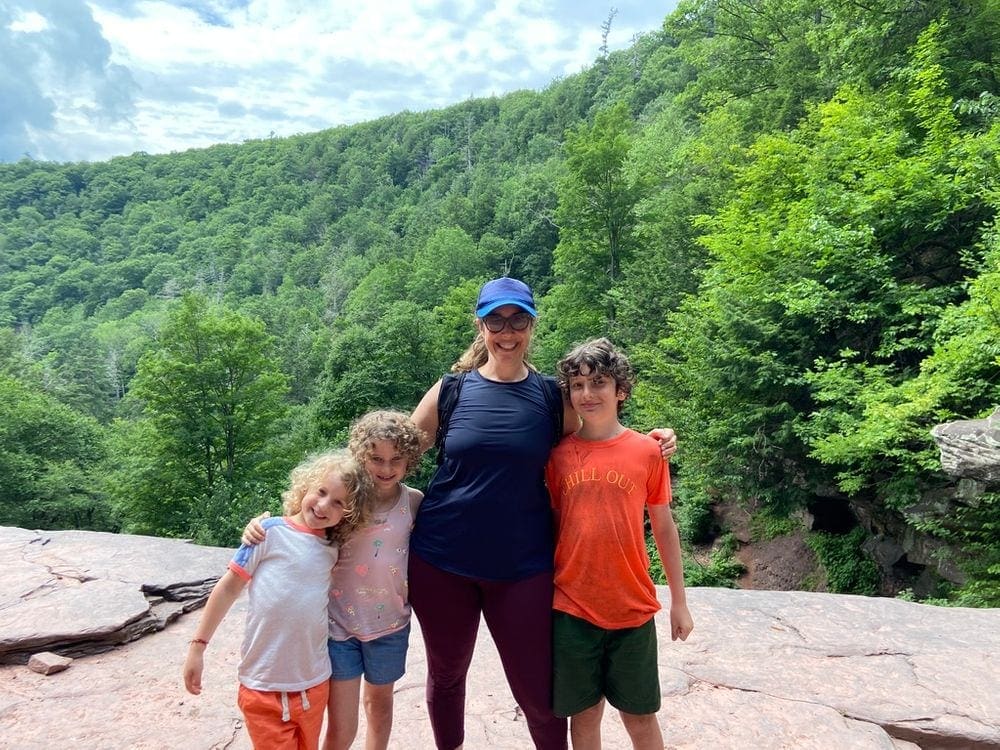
(313, 470)
(385, 424)
(600, 357)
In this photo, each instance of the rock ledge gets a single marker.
(763, 669)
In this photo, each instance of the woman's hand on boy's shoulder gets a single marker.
(253, 532)
(667, 439)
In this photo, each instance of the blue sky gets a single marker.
(89, 80)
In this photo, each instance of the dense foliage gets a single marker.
(786, 212)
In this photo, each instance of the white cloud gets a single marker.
(104, 77)
(28, 22)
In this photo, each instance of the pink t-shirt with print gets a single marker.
(369, 596)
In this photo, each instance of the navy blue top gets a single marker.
(486, 513)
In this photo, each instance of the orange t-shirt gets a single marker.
(599, 492)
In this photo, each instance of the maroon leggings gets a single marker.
(519, 616)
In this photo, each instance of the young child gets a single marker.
(284, 668)
(601, 479)
(369, 608)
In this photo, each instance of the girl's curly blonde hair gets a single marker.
(385, 424)
(314, 470)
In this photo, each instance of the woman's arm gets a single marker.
(425, 416)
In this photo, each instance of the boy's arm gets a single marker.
(224, 593)
(668, 542)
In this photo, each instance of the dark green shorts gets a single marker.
(590, 662)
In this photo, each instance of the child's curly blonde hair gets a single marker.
(314, 470)
(385, 424)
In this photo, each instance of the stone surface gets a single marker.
(48, 663)
(763, 669)
(970, 448)
(83, 592)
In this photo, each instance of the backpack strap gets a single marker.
(451, 386)
(553, 397)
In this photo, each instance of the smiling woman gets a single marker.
(482, 540)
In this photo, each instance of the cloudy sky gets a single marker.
(88, 80)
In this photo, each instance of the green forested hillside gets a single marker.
(785, 211)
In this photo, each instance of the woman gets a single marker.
(483, 543)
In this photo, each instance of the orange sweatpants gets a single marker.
(263, 711)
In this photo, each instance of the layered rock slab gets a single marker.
(83, 592)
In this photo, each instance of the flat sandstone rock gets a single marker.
(763, 669)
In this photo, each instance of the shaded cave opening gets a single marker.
(831, 515)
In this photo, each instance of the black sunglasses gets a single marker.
(517, 322)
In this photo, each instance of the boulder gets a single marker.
(970, 448)
(48, 663)
(84, 592)
(762, 669)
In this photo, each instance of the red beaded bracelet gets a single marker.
(199, 640)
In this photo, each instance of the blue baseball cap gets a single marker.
(505, 291)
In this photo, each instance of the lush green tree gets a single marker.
(49, 457)
(875, 430)
(596, 217)
(389, 365)
(212, 394)
(294, 317)
(525, 213)
(73, 362)
(688, 169)
(836, 255)
(380, 287)
(449, 256)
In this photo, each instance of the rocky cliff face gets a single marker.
(763, 669)
(906, 558)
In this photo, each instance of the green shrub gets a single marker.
(693, 514)
(722, 568)
(764, 525)
(848, 569)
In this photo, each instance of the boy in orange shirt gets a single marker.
(601, 479)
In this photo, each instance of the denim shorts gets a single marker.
(382, 661)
